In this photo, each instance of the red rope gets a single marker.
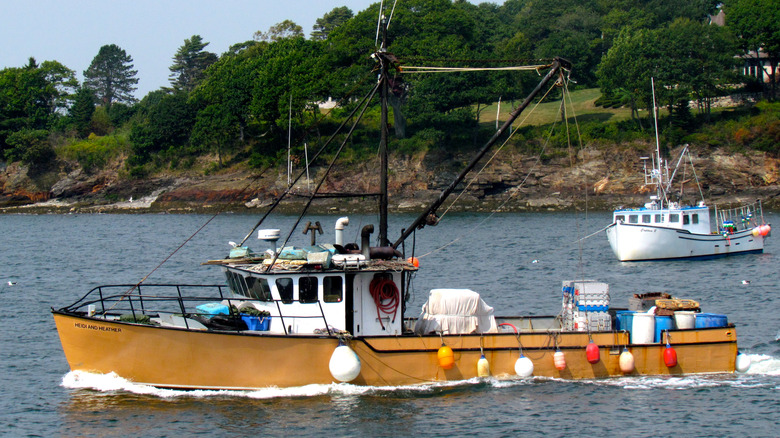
(384, 289)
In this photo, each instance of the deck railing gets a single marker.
(153, 300)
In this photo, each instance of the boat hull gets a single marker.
(199, 359)
(631, 242)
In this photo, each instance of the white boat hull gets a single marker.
(633, 242)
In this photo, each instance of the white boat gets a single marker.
(666, 230)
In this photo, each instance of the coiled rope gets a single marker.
(386, 297)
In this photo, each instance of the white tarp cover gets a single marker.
(455, 312)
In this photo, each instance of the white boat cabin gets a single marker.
(315, 302)
(693, 219)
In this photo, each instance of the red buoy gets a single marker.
(592, 352)
(670, 356)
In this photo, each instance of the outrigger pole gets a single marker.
(428, 217)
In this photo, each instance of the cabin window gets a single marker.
(646, 218)
(307, 289)
(686, 219)
(695, 218)
(659, 218)
(332, 290)
(258, 288)
(633, 219)
(620, 218)
(285, 288)
(674, 218)
(236, 283)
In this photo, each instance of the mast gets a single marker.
(383, 141)
(428, 217)
(657, 166)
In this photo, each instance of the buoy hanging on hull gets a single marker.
(446, 357)
(670, 356)
(483, 368)
(344, 364)
(626, 361)
(524, 367)
(743, 362)
(559, 360)
(592, 353)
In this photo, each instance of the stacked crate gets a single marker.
(585, 306)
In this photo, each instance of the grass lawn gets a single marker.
(579, 105)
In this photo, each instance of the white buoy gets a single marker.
(344, 364)
(626, 361)
(483, 368)
(524, 367)
(743, 362)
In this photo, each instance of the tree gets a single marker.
(111, 76)
(82, 110)
(163, 123)
(280, 31)
(756, 25)
(32, 98)
(190, 63)
(331, 20)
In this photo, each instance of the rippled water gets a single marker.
(517, 263)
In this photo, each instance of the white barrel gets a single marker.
(643, 328)
(685, 319)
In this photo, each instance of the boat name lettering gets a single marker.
(98, 328)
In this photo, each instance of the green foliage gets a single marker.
(190, 64)
(30, 146)
(82, 110)
(111, 76)
(163, 121)
(331, 20)
(96, 151)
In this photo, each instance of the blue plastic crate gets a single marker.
(257, 323)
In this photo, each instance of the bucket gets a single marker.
(624, 319)
(642, 328)
(707, 320)
(685, 319)
(662, 322)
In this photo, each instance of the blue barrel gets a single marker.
(707, 320)
(624, 319)
(662, 323)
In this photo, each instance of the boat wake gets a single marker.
(111, 382)
(762, 365)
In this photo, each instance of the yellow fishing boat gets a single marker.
(336, 312)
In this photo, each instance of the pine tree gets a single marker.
(111, 76)
(190, 63)
(82, 110)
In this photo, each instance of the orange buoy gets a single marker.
(414, 261)
(559, 360)
(670, 356)
(446, 357)
(592, 352)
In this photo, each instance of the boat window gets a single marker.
(695, 218)
(674, 218)
(258, 288)
(686, 219)
(620, 218)
(633, 219)
(285, 288)
(236, 283)
(331, 289)
(646, 218)
(307, 289)
(659, 218)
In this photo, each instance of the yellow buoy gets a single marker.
(446, 357)
(483, 368)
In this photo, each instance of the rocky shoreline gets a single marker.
(594, 180)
